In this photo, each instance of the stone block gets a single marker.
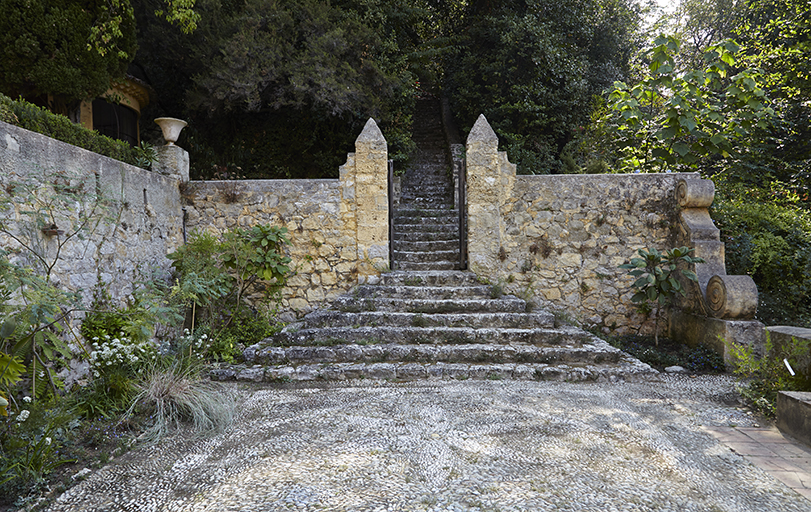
(794, 414)
(715, 332)
(781, 336)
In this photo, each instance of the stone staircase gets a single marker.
(431, 324)
(427, 319)
(425, 225)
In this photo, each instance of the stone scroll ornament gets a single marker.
(726, 297)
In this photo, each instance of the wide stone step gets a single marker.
(506, 304)
(330, 318)
(415, 217)
(629, 370)
(425, 245)
(461, 353)
(425, 256)
(430, 278)
(424, 212)
(426, 336)
(478, 291)
(431, 265)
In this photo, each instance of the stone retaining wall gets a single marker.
(558, 240)
(338, 228)
(140, 225)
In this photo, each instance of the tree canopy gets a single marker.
(52, 47)
(534, 67)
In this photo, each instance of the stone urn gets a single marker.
(171, 128)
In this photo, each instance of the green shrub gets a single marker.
(31, 446)
(770, 241)
(764, 375)
(31, 117)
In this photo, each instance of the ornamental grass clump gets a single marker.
(175, 395)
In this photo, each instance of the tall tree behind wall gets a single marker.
(67, 49)
(534, 67)
(282, 88)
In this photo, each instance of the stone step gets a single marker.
(425, 256)
(423, 353)
(424, 190)
(425, 245)
(427, 228)
(433, 265)
(430, 278)
(446, 220)
(427, 336)
(330, 318)
(622, 371)
(478, 291)
(426, 236)
(404, 212)
(505, 304)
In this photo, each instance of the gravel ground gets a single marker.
(453, 445)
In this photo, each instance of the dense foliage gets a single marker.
(674, 121)
(49, 47)
(769, 239)
(534, 67)
(282, 89)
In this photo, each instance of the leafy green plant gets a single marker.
(212, 271)
(31, 439)
(766, 373)
(31, 117)
(31, 312)
(656, 278)
(145, 155)
(671, 120)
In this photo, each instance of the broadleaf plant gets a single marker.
(656, 281)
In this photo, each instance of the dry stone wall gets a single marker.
(558, 240)
(135, 214)
(338, 228)
(321, 229)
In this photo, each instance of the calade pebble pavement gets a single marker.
(665, 444)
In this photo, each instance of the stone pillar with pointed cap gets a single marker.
(364, 181)
(490, 180)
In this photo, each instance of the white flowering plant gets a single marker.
(111, 354)
(189, 345)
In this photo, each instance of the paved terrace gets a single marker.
(674, 444)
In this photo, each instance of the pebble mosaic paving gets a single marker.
(669, 444)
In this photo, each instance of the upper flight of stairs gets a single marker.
(425, 225)
(431, 324)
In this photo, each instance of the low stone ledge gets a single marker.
(794, 414)
(782, 335)
(713, 332)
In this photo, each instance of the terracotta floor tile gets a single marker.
(787, 450)
(773, 463)
(805, 492)
(727, 434)
(756, 449)
(789, 478)
(765, 435)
